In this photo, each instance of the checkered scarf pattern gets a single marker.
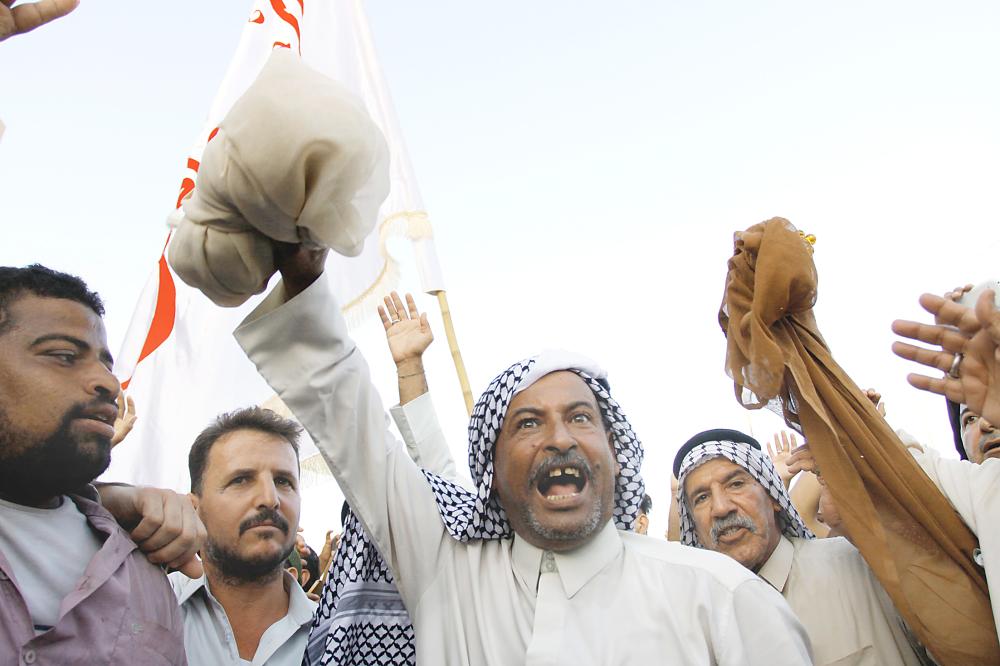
(760, 468)
(361, 619)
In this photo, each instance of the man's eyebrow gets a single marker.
(526, 410)
(76, 342)
(82, 345)
(580, 403)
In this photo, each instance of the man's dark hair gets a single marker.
(15, 283)
(646, 505)
(248, 418)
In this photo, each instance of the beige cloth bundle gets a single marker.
(296, 159)
(904, 527)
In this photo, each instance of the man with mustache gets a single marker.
(245, 485)
(733, 501)
(537, 565)
(74, 586)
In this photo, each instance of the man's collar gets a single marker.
(300, 606)
(775, 571)
(576, 567)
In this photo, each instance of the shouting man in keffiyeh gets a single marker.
(534, 566)
(732, 500)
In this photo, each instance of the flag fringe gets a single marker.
(412, 225)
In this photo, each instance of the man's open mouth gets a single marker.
(993, 446)
(559, 483)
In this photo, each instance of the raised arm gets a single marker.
(299, 343)
(408, 335)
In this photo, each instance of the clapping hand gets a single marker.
(969, 355)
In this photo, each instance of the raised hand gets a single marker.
(969, 356)
(125, 420)
(28, 16)
(406, 329)
(780, 453)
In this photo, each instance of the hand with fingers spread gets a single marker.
(125, 420)
(408, 334)
(162, 523)
(406, 329)
(779, 454)
(28, 16)
(969, 354)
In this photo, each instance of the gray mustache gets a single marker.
(732, 521)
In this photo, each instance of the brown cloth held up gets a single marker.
(909, 534)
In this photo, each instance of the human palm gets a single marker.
(974, 334)
(406, 330)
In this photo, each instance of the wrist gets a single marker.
(409, 367)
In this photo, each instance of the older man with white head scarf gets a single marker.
(732, 501)
(529, 568)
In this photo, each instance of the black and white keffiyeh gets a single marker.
(361, 618)
(740, 451)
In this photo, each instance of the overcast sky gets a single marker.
(584, 164)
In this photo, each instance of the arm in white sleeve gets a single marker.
(301, 347)
(955, 478)
(418, 424)
(767, 632)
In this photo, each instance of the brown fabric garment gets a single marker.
(904, 527)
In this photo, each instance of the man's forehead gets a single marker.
(33, 314)
(716, 468)
(251, 449)
(554, 389)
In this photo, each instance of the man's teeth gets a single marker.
(560, 471)
(556, 498)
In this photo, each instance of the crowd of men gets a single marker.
(542, 559)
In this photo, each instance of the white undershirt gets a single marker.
(48, 551)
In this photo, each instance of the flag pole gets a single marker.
(456, 354)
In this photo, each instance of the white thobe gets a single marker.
(974, 491)
(208, 636)
(848, 615)
(619, 599)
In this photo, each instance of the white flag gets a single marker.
(179, 360)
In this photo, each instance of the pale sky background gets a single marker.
(584, 165)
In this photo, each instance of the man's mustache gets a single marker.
(726, 523)
(568, 459)
(265, 516)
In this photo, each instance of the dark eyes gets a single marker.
(527, 423)
(698, 499)
(65, 357)
(969, 419)
(581, 418)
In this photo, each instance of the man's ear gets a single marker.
(614, 454)
(642, 524)
(194, 500)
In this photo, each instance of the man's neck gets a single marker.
(35, 503)
(251, 606)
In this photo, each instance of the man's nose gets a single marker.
(985, 426)
(560, 438)
(267, 494)
(101, 381)
(722, 505)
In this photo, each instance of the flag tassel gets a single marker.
(456, 353)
